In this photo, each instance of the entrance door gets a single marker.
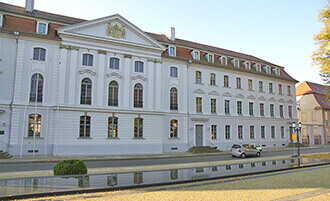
(199, 135)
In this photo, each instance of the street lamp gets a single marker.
(297, 129)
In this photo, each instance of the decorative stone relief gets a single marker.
(102, 52)
(290, 101)
(239, 96)
(200, 119)
(114, 74)
(155, 60)
(69, 47)
(128, 56)
(214, 93)
(139, 77)
(251, 97)
(116, 31)
(199, 91)
(87, 71)
(272, 99)
(227, 94)
(281, 101)
(262, 98)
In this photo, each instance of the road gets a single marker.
(6, 167)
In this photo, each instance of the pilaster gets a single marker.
(127, 88)
(72, 78)
(100, 80)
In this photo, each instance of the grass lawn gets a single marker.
(326, 156)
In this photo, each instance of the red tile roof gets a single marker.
(310, 88)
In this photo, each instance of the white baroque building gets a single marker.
(77, 87)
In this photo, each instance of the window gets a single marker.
(210, 58)
(196, 55)
(250, 87)
(39, 54)
(172, 51)
(114, 63)
(214, 132)
(261, 86)
(271, 88)
(223, 60)
(173, 128)
(113, 94)
(213, 105)
(42, 28)
(262, 109)
(227, 110)
(113, 127)
(251, 132)
(138, 127)
(34, 125)
(138, 178)
(235, 63)
(227, 132)
(173, 99)
(139, 66)
(85, 126)
(257, 67)
(138, 95)
(251, 109)
(238, 83)
(289, 91)
(226, 81)
(272, 131)
(174, 72)
(212, 79)
(247, 65)
(290, 111)
(282, 132)
(240, 132)
(280, 91)
(276, 71)
(86, 92)
(87, 60)
(262, 132)
(272, 110)
(239, 107)
(198, 77)
(267, 69)
(198, 104)
(281, 111)
(36, 90)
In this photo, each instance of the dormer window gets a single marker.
(195, 55)
(210, 58)
(267, 69)
(223, 60)
(276, 71)
(172, 51)
(42, 28)
(247, 65)
(235, 62)
(257, 67)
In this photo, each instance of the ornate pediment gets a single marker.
(139, 77)
(262, 98)
(290, 101)
(199, 91)
(281, 100)
(87, 71)
(114, 74)
(227, 94)
(214, 93)
(251, 97)
(272, 99)
(239, 96)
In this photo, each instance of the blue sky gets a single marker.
(279, 31)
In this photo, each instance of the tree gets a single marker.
(321, 57)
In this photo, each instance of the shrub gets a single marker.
(70, 167)
(296, 144)
(205, 149)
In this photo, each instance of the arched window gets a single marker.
(87, 60)
(37, 81)
(114, 63)
(173, 128)
(138, 95)
(34, 125)
(85, 126)
(139, 66)
(113, 127)
(113, 94)
(138, 127)
(198, 77)
(173, 99)
(86, 92)
(39, 54)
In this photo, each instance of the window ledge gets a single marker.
(138, 138)
(174, 138)
(262, 91)
(112, 138)
(271, 93)
(226, 87)
(84, 138)
(213, 85)
(289, 94)
(227, 139)
(174, 111)
(250, 90)
(31, 138)
(239, 88)
(199, 83)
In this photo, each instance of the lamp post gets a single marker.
(297, 129)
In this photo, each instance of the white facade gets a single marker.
(61, 109)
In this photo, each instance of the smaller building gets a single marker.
(313, 112)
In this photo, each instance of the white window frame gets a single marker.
(176, 69)
(169, 51)
(194, 52)
(234, 63)
(37, 28)
(221, 58)
(208, 58)
(247, 65)
(257, 67)
(267, 69)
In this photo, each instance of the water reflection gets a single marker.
(120, 180)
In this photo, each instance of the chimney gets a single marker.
(29, 6)
(171, 34)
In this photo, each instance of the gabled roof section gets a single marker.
(310, 88)
(322, 100)
(112, 28)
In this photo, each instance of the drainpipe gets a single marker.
(188, 114)
(16, 33)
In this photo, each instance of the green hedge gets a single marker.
(70, 167)
(204, 149)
